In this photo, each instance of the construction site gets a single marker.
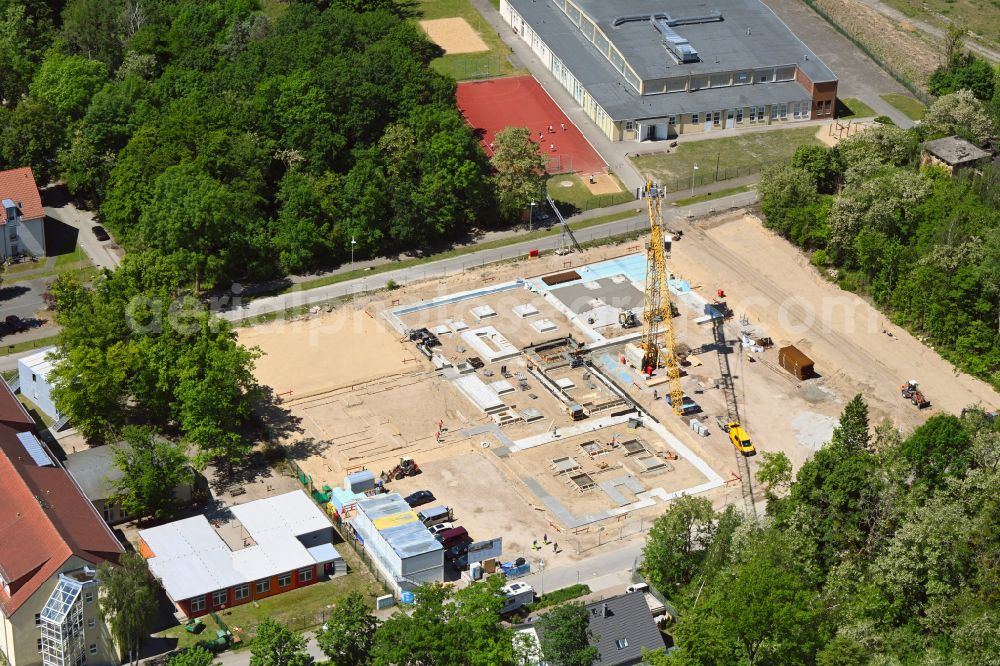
(576, 395)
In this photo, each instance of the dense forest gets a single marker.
(884, 550)
(241, 143)
(922, 244)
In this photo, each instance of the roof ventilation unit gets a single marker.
(677, 45)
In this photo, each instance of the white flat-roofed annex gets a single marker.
(190, 558)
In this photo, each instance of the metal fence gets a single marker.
(708, 176)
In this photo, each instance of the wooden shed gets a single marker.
(795, 362)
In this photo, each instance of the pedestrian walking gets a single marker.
(540, 137)
(563, 126)
(550, 129)
(552, 147)
(545, 538)
(534, 544)
(555, 547)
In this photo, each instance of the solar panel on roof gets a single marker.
(35, 449)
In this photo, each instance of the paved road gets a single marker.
(101, 254)
(606, 570)
(859, 75)
(446, 267)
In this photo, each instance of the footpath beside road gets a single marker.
(453, 265)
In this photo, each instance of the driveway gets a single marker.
(58, 207)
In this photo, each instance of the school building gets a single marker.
(645, 70)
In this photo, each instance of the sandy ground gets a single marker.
(603, 184)
(831, 136)
(454, 35)
(782, 296)
(320, 353)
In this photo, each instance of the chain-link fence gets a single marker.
(708, 176)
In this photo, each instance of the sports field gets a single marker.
(520, 101)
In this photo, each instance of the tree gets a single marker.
(775, 472)
(959, 113)
(90, 385)
(19, 53)
(783, 190)
(842, 651)
(852, 433)
(446, 628)
(676, 543)
(191, 217)
(65, 83)
(348, 636)
(277, 645)
(765, 604)
(567, 638)
(127, 602)
(822, 163)
(193, 656)
(95, 29)
(939, 448)
(152, 469)
(520, 170)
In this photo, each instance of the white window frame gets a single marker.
(305, 574)
(88, 596)
(197, 603)
(220, 597)
(93, 648)
(629, 126)
(91, 623)
(242, 591)
(285, 579)
(261, 586)
(695, 118)
(739, 114)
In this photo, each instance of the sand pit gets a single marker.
(603, 184)
(322, 353)
(454, 35)
(782, 295)
(830, 136)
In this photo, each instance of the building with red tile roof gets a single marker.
(51, 542)
(22, 217)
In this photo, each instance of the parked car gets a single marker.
(688, 406)
(100, 233)
(453, 537)
(440, 527)
(419, 498)
(457, 551)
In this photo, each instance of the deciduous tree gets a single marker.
(277, 645)
(520, 171)
(127, 601)
(152, 469)
(675, 545)
(348, 635)
(566, 636)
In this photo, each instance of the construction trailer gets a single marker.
(795, 362)
(516, 595)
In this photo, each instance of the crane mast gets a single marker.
(658, 344)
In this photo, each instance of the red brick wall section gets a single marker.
(185, 604)
(822, 94)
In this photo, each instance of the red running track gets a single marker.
(519, 101)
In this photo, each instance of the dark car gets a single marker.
(688, 406)
(457, 551)
(100, 233)
(419, 498)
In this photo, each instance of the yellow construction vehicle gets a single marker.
(658, 345)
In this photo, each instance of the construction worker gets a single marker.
(555, 547)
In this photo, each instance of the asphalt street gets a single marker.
(674, 217)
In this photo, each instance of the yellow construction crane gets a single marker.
(658, 346)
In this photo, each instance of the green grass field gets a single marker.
(908, 106)
(848, 107)
(981, 18)
(300, 609)
(464, 66)
(578, 198)
(736, 156)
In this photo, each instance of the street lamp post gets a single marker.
(693, 172)
(531, 215)
(353, 243)
(541, 576)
